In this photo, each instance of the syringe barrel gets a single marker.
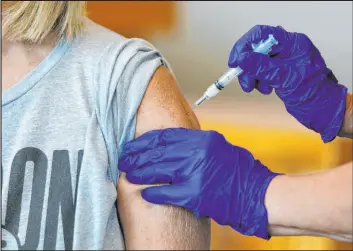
(263, 47)
(229, 76)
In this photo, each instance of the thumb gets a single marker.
(264, 88)
(247, 83)
(258, 65)
(174, 194)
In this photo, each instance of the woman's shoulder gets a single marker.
(97, 41)
(102, 49)
(97, 34)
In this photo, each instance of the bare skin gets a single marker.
(148, 226)
(18, 59)
(347, 127)
(316, 204)
(145, 226)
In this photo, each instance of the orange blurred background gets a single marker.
(134, 18)
(258, 123)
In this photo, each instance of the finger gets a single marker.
(152, 139)
(254, 36)
(264, 87)
(145, 142)
(165, 171)
(330, 75)
(158, 173)
(264, 68)
(170, 153)
(130, 162)
(174, 135)
(175, 194)
(247, 83)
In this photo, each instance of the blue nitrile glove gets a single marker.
(207, 176)
(298, 73)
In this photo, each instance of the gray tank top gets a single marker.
(63, 127)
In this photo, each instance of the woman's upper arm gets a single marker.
(148, 226)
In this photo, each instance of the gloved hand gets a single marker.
(207, 175)
(298, 73)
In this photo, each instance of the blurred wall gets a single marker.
(198, 46)
(134, 18)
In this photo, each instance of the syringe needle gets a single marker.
(199, 101)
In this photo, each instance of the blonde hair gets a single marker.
(33, 21)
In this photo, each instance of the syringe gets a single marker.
(263, 47)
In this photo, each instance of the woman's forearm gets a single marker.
(347, 126)
(318, 204)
